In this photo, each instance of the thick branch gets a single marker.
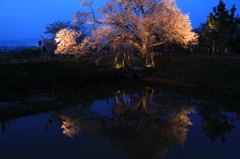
(158, 43)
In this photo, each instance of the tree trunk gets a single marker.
(213, 48)
(165, 48)
(144, 51)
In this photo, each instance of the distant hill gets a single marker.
(19, 42)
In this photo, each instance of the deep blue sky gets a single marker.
(21, 19)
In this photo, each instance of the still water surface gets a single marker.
(154, 121)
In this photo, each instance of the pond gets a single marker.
(136, 120)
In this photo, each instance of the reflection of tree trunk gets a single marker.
(3, 128)
(138, 104)
(122, 106)
(238, 117)
(143, 101)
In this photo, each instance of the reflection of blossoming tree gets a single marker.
(147, 132)
(141, 136)
(71, 126)
(78, 120)
(140, 133)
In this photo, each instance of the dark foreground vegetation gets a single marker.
(25, 79)
(217, 74)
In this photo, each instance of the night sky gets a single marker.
(26, 19)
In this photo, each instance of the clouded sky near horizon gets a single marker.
(26, 19)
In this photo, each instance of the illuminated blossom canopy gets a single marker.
(66, 41)
(143, 23)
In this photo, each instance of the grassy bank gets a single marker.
(19, 80)
(217, 74)
(24, 79)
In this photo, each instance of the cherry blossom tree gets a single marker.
(51, 30)
(143, 23)
(78, 23)
(66, 41)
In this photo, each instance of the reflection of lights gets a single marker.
(149, 88)
(118, 92)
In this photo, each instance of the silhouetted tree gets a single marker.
(221, 25)
(55, 27)
(202, 47)
(214, 123)
(234, 41)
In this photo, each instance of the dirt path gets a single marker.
(163, 80)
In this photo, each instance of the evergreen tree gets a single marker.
(221, 25)
(234, 41)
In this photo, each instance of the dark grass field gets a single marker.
(23, 79)
(218, 74)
